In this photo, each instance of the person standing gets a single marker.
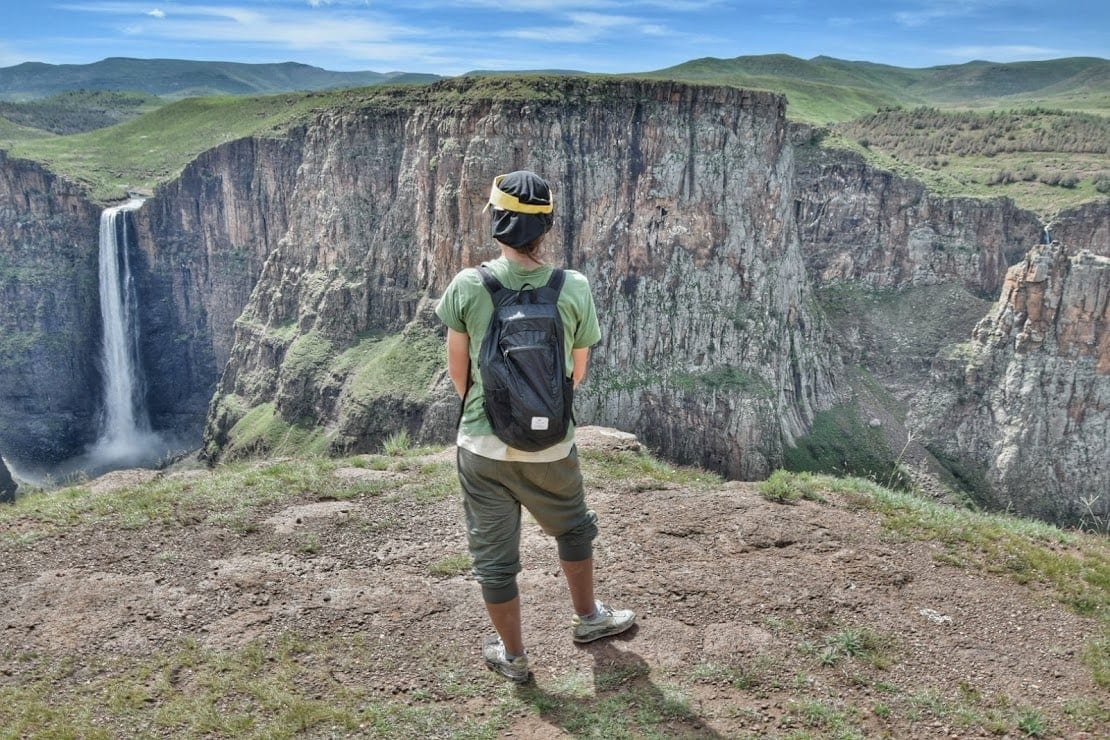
(496, 478)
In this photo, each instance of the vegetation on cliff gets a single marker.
(1045, 160)
(79, 110)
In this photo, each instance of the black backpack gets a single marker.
(528, 395)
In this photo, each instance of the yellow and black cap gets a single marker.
(522, 208)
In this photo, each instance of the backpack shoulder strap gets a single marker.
(555, 282)
(493, 285)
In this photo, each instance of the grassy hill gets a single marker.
(140, 153)
(332, 597)
(861, 103)
(177, 78)
(826, 90)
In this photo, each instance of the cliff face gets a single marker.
(202, 241)
(49, 314)
(1084, 227)
(675, 201)
(1027, 400)
(7, 484)
(200, 245)
(873, 227)
(1018, 415)
(307, 269)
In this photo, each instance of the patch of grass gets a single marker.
(306, 356)
(145, 151)
(832, 719)
(840, 443)
(309, 544)
(624, 704)
(747, 675)
(1074, 565)
(263, 430)
(1032, 723)
(1092, 715)
(403, 363)
(1097, 658)
(452, 565)
(859, 643)
(789, 488)
(229, 497)
(397, 443)
(609, 465)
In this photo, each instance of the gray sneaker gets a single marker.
(605, 623)
(494, 652)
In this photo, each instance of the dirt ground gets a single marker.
(718, 576)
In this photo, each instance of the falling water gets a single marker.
(125, 435)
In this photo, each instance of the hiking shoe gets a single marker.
(493, 650)
(604, 623)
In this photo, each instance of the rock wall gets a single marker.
(7, 484)
(1011, 407)
(306, 269)
(49, 314)
(676, 201)
(870, 226)
(1027, 400)
(1084, 227)
(202, 241)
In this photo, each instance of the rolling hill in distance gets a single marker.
(93, 123)
(821, 89)
(177, 78)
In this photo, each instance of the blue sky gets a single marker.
(591, 35)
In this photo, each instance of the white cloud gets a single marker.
(939, 10)
(157, 13)
(587, 27)
(362, 37)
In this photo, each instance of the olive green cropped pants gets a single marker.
(494, 491)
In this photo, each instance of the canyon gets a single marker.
(749, 283)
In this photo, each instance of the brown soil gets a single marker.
(719, 578)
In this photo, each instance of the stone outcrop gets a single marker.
(872, 227)
(1018, 415)
(7, 483)
(202, 241)
(1084, 227)
(676, 201)
(1026, 403)
(49, 314)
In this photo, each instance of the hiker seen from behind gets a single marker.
(519, 333)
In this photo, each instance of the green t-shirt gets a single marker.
(466, 307)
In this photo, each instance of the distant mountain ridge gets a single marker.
(824, 88)
(177, 78)
(819, 89)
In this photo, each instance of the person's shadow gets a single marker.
(625, 701)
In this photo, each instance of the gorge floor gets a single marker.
(756, 619)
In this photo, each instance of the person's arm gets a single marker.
(458, 360)
(581, 358)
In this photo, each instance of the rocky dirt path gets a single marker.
(761, 615)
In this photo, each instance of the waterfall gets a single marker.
(125, 435)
